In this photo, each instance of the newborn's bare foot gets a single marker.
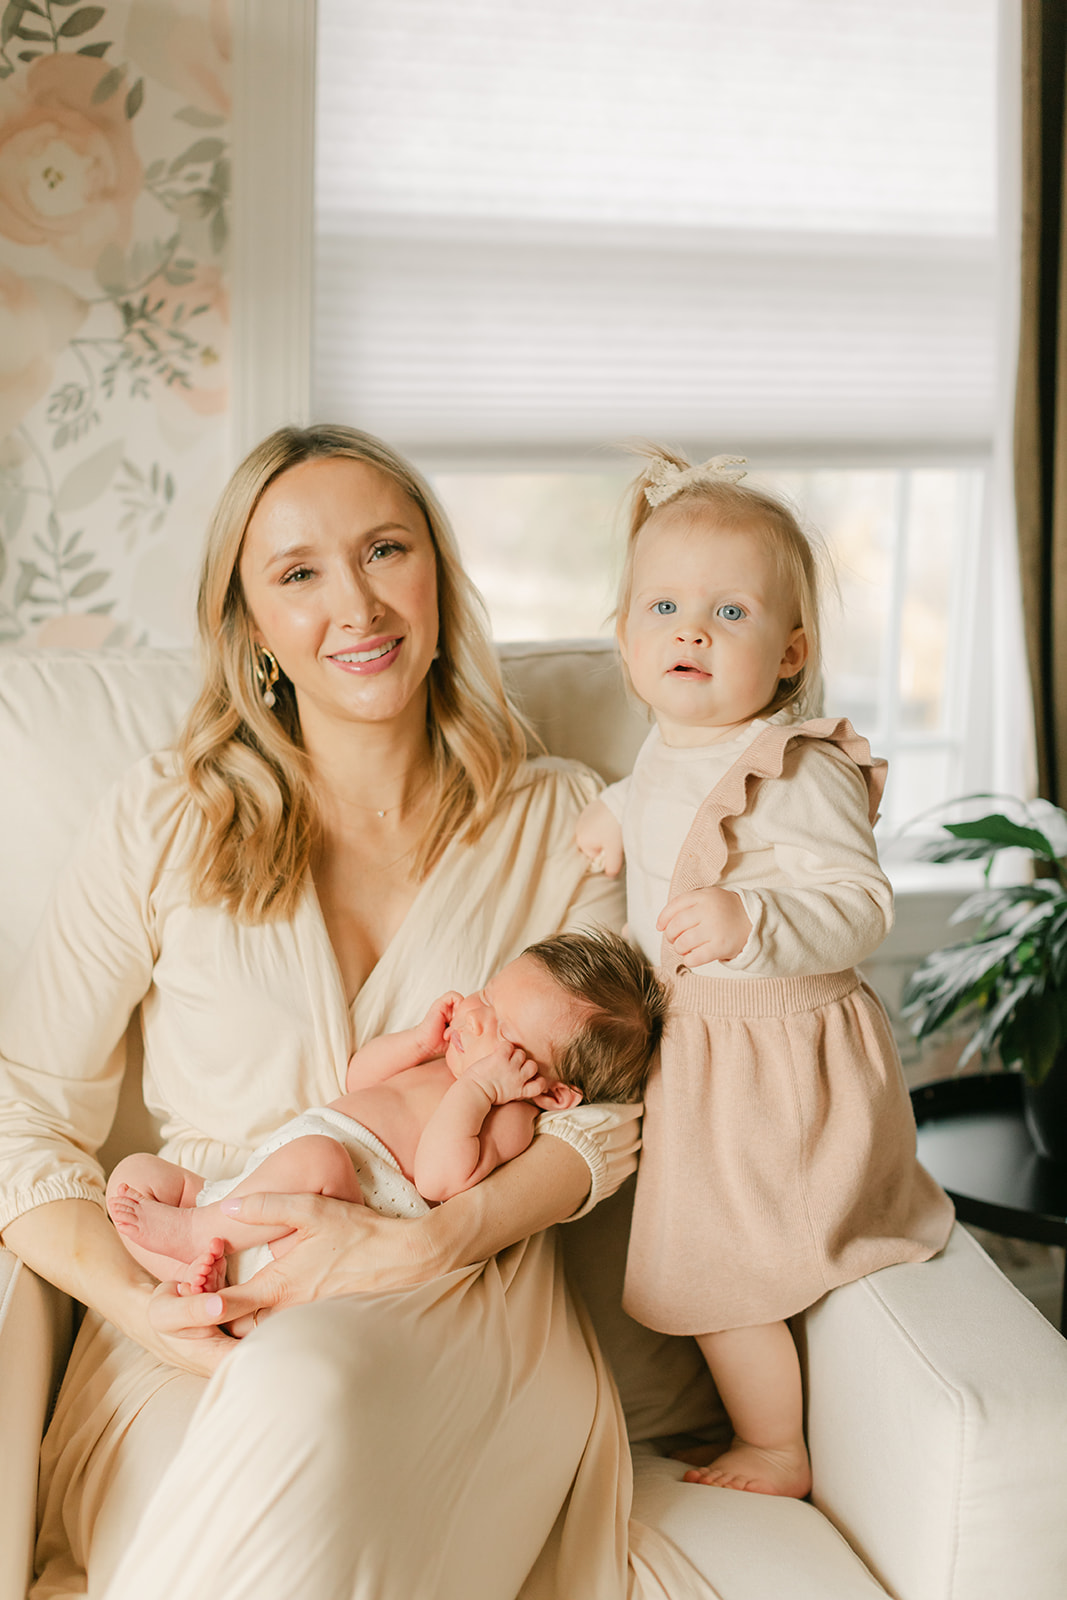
(759, 1471)
(165, 1230)
(207, 1274)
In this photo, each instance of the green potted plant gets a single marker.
(1009, 978)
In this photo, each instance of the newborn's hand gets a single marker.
(705, 925)
(599, 836)
(506, 1074)
(431, 1035)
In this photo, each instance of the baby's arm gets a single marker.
(391, 1053)
(484, 1119)
(598, 835)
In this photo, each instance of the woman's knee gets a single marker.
(317, 1369)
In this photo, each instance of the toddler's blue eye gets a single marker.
(731, 613)
(664, 607)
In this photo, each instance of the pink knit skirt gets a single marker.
(778, 1157)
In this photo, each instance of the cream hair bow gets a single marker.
(665, 480)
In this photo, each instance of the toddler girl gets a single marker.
(427, 1112)
(779, 1144)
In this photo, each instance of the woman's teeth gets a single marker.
(360, 656)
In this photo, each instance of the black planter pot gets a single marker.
(1045, 1111)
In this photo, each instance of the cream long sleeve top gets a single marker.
(802, 857)
(244, 1026)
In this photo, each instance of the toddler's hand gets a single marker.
(507, 1074)
(705, 925)
(431, 1035)
(599, 836)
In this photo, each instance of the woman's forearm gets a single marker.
(546, 1184)
(72, 1244)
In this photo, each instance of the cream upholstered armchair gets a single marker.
(937, 1396)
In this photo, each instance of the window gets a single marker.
(771, 229)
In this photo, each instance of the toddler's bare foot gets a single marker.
(207, 1274)
(165, 1230)
(747, 1466)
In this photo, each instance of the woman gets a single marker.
(348, 828)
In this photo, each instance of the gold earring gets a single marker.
(266, 667)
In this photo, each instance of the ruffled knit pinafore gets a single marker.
(778, 1155)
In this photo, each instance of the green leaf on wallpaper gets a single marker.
(80, 22)
(76, 563)
(10, 21)
(29, 572)
(110, 269)
(199, 119)
(15, 505)
(89, 479)
(220, 232)
(34, 34)
(107, 85)
(30, 55)
(30, 5)
(203, 150)
(135, 99)
(72, 541)
(95, 49)
(89, 584)
(154, 170)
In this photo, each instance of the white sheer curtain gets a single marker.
(543, 224)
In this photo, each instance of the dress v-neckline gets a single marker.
(377, 974)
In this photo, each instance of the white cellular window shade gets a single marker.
(542, 226)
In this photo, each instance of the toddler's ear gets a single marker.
(558, 1097)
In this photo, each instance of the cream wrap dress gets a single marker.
(460, 1440)
(779, 1142)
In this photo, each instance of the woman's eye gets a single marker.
(664, 608)
(297, 575)
(384, 547)
(731, 613)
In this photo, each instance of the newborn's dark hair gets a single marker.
(610, 1056)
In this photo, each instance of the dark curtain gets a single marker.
(1041, 395)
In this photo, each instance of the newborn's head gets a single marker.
(621, 1010)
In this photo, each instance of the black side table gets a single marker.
(973, 1140)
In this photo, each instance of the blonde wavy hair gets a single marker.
(244, 764)
(801, 562)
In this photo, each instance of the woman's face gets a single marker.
(340, 576)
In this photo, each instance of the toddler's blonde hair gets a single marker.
(739, 506)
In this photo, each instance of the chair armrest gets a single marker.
(35, 1333)
(937, 1421)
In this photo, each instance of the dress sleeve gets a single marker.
(837, 906)
(60, 1028)
(608, 1136)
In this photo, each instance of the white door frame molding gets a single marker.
(273, 207)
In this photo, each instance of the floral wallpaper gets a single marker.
(114, 313)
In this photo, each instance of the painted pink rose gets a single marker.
(185, 45)
(38, 318)
(69, 173)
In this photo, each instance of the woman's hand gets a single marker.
(183, 1330)
(705, 925)
(339, 1248)
(334, 1248)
